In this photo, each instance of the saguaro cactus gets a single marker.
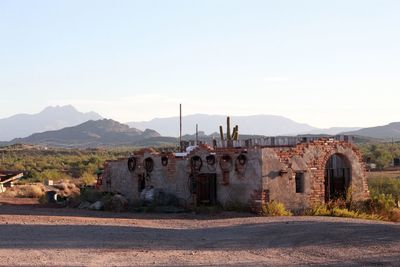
(235, 134)
(228, 129)
(230, 135)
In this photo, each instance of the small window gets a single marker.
(164, 161)
(299, 182)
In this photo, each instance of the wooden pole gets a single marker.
(197, 134)
(180, 127)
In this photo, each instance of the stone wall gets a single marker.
(281, 164)
(266, 174)
(234, 186)
(171, 179)
(237, 182)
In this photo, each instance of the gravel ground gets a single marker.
(37, 236)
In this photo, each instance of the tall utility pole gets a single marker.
(197, 134)
(180, 127)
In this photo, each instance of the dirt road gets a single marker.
(31, 236)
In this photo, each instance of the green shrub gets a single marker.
(381, 154)
(383, 203)
(384, 185)
(88, 179)
(90, 195)
(275, 208)
(53, 174)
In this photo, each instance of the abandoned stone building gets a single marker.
(297, 174)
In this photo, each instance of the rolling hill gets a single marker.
(387, 132)
(95, 134)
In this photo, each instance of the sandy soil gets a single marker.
(37, 236)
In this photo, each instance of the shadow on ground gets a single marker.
(54, 210)
(240, 237)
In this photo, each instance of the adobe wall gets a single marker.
(234, 186)
(171, 179)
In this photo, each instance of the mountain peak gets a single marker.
(65, 109)
(50, 118)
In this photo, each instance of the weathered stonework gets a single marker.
(245, 176)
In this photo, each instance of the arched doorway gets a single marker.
(337, 177)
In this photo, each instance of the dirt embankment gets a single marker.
(32, 235)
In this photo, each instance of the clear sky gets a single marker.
(326, 63)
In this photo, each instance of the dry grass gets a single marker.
(379, 208)
(394, 215)
(9, 193)
(25, 191)
(383, 174)
(275, 208)
(30, 191)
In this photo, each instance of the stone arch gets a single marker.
(358, 181)
(338, 176)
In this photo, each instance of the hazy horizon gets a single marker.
(161, 117)
(327, 64)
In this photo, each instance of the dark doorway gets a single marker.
(337, 177)
(206, 189)
(141, 182)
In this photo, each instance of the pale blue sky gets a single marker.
(326, 63)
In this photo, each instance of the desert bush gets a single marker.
(90, 195)
(338, 209)
(383, 203)
(88, 179)
(43, 200)
(317, 210)
(29, 191)
(116, 203)
(275, 208)
(384, 185)
(344, 212)
(338, 203)
(394, 215)
(56, 164)
(380, 153)
(10, 192)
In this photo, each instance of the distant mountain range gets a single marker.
(95, 134)
(51, 118)
(269, 125)
(385, 132)
(334, 130)
(65, 126)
